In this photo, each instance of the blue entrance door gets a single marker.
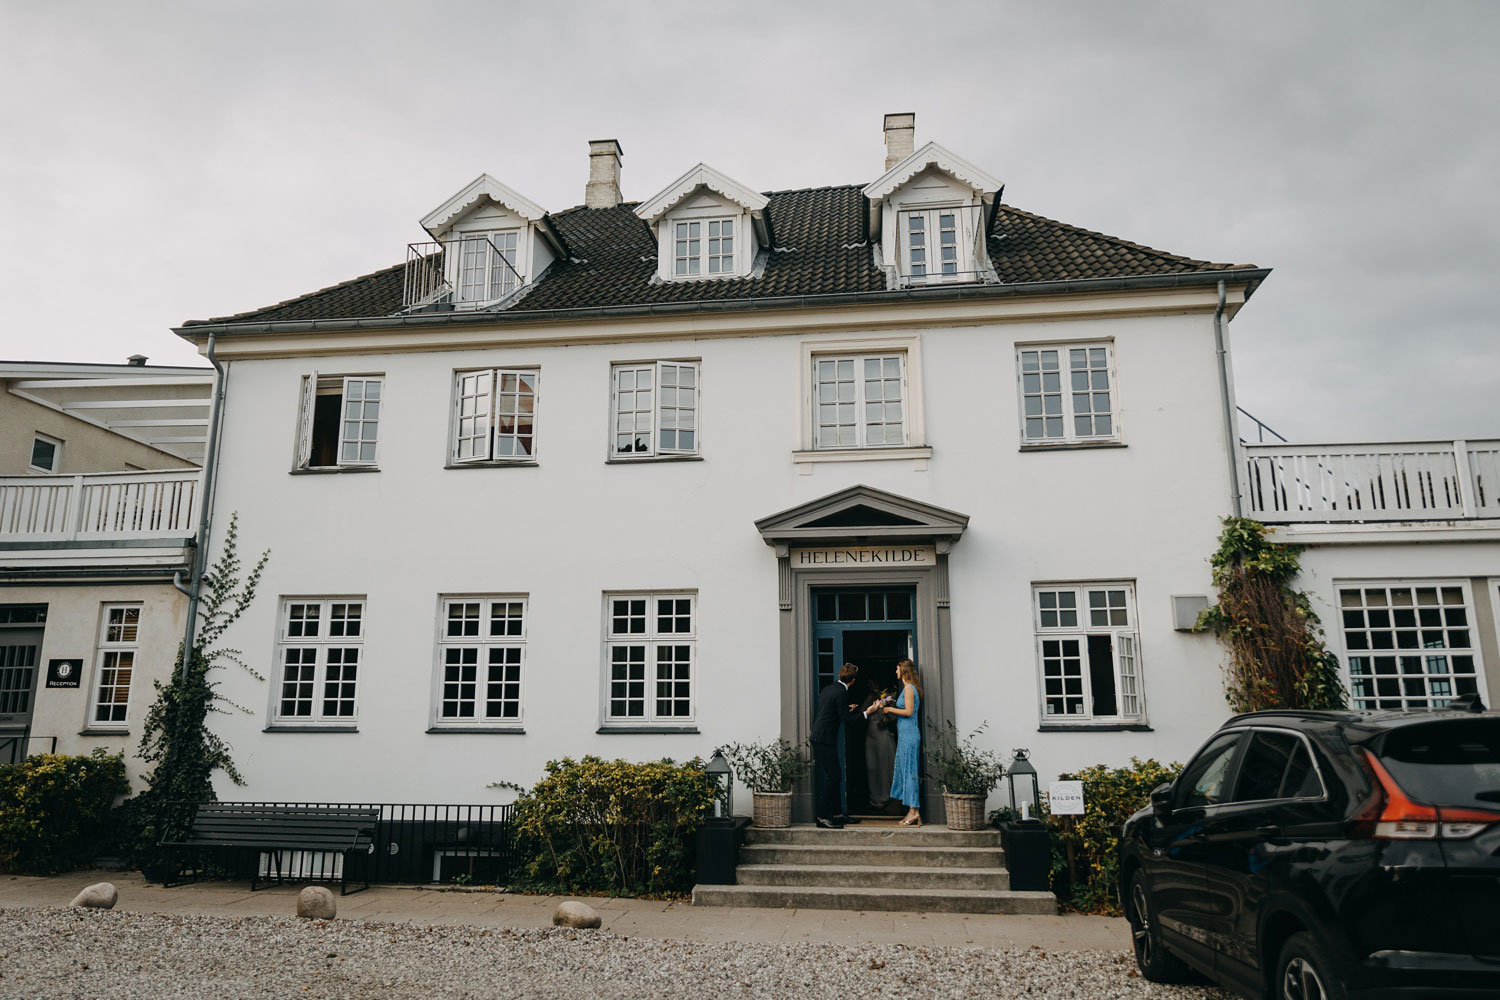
(874, 628)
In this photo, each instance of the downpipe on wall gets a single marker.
(205, 509)
(1226, 398)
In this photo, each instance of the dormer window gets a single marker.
(703, 247)
(487, 265)
(707, 226)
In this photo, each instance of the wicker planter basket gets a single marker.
(965, 812)
(773, 809)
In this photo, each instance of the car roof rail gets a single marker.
(1466, 703)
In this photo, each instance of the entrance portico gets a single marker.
(862, 542)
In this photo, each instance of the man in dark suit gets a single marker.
(834, 705)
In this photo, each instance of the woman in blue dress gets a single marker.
(904, 782)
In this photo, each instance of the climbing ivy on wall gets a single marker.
(1277, 658)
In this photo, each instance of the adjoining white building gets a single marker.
(633, 479)
(99, 503)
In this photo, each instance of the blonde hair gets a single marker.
(906, 673)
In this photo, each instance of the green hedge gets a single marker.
(1110, 797)
(612, 826)
(54, 810)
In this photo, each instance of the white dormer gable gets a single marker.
(930, 213)
(490, 242)
(707, 225)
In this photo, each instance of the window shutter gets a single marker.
(1130, 690)
(305, 420)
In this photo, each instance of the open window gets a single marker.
(1088, 650)
(339, 422)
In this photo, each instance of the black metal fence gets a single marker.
(14, 749)
(452, 844)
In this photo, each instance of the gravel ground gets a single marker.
(57, 952)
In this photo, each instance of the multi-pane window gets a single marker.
(119, 641)
(859, 402)
(931, 244)
(649, 646)
(487, 265)
(1409, 645)
(321, 644)
(655, 409)
(1088, 646)
(340, 421)
(702, 247)
(45, 452)
(1066, 394)
(495, 415)
(481, 651)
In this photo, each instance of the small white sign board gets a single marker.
(1066, 798)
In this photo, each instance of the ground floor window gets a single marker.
(322, 640)
(650, 644)
(481, 649)
(1088, 652)
(1409, 645)
(119, 640)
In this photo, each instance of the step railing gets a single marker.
(1403, 481)
(99, 506)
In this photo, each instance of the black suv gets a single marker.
(1313, 855)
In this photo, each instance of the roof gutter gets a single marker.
(194, 588)
(1251, 277)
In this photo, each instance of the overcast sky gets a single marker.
(170, 161)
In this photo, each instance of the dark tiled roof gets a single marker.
(820, 248)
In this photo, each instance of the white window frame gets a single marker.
(1125, 651)
(116, 640)
(916, 433)
(657, 409)
(965, 267)
(497, 281)
(703, 259)
(472, 411)
(652, 638)
(859, 374)
(483, 641)
(1420, 651)
(1066, 392)
(315, 385)
(57, 448)
(321, 645)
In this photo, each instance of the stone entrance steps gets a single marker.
(874, 867)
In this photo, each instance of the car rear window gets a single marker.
(1448, 763)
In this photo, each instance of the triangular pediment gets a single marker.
(862, 512)
(699, 178)
(480, 189)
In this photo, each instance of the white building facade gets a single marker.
(634, 479)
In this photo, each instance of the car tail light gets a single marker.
(1400, 818)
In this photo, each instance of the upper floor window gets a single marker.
(487, 265)
(930, 243)
(119, 640)
(703, 247)
(860, 401)
(1088, 647)
(1410, 646)
(655, 409)
(1067, 394)
(45, 454)
(339, 421)
(321, 643)
(495, 415)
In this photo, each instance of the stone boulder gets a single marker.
(317, 903)
(99, 896)
(575, 914)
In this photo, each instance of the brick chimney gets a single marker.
(603, 190)
(900, 137)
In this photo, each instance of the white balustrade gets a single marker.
(99, 506)
(1406, 481)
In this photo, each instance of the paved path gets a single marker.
(678, 921)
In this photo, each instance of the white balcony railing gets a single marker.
(1409, 481)
(99, 506)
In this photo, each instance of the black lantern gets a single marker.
(1021, 772)
(723, 777)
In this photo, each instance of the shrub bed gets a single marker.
(54, 809)
(1110, 797)
(613, 827)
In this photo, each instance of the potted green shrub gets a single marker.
(967, 775)
(770, 770)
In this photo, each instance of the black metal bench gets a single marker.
(274, 830)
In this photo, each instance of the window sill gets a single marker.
(646, 459)
(335, 471)
(860, 454)
(471, 730)
(529, 464)
(1094, 727)
(1074, 446)
(654, 730)
(309, 729)
(103, 732)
